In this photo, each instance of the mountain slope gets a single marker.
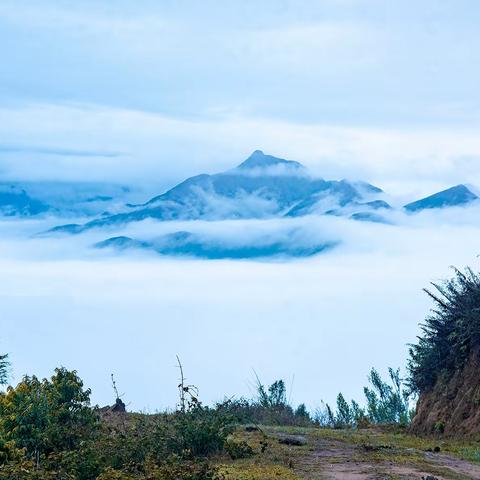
(15, 201)
(262, 186)
(187, 244)
(452, 197)
(62, 198)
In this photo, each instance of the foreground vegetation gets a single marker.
(49, 429)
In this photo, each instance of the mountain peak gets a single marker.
(454, 196)
(258, 159)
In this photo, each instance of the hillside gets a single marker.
(452, 197)
(445, 362)
(451, 407)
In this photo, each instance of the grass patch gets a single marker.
(244, 471)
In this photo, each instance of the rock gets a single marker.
(375, 448)
(119, 407)
(293, 440)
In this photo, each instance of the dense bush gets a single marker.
(49, 431)
(199, 431)
(48, 416)
(450, 334)
(249, 412)
(269, 407)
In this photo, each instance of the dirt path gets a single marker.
(333, 459)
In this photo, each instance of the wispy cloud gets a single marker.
(162, 149)
(332, 62)
(63, 152)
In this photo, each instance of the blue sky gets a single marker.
(347, 62)
(387, 91)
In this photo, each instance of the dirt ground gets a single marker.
(355, 455)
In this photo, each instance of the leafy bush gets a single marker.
(450, 334)
(49, 431)
(47, 416)
(199, 431)
(238, 449)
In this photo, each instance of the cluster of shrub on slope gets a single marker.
(49, 430)
(445, 361)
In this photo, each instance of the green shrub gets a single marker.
(439, 428)
(112, 474)
(198, 431)
(301, 412)
(47, 416)
(238, 449)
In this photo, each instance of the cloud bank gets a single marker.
(324, 320)
(159, 150)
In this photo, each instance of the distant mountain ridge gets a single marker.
(62, 199)
(452, 197)
(187, 244)
(259, 160)
(263, 186)
(14, 201)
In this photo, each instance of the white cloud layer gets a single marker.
(324, 320)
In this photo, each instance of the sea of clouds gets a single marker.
(320, 323)
(149, 93)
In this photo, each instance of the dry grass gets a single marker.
(369, 453)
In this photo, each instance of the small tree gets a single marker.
(4, 365)
(277, 394)
(344, 417)
(358, 413)
(302, 412)
(387, 403)
(273, 397)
